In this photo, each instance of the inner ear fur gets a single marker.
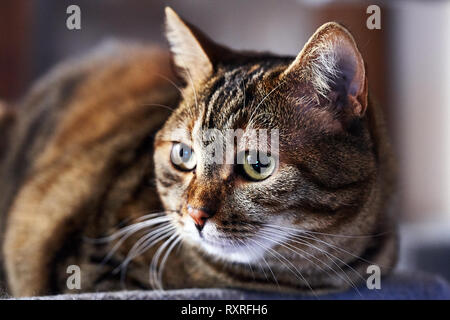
(331, 62)
(193, 52)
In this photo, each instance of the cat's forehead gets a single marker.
(234, 97)
(248, 96)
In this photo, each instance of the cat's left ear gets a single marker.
(193, 52)
(332, 63)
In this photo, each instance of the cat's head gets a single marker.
(309, 167)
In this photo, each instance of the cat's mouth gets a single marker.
(231, 248)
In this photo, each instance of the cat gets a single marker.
(106, 167)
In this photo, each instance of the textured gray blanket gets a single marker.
(396, 286)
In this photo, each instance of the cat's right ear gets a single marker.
(331, 62)
(193, 52)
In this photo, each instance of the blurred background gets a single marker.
(408, 63)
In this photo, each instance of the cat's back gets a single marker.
(84, 108)
(80, 100)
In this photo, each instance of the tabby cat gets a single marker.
(104, 166)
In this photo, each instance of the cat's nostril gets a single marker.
(200, 216)
(199, 227)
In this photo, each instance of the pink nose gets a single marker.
(199, 216)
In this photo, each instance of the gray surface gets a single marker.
(398, 286)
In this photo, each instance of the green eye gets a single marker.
(183, 157)
(258, 166)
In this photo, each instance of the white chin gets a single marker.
(234, 252)
(219, 246)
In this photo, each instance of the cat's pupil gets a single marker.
(257, 167)
(184, 153)
(259, 164)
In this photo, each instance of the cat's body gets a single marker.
(72, 141)
(83, 150)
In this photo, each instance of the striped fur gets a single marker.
(90, 151)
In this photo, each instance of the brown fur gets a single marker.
(107, 109)
(86, 159)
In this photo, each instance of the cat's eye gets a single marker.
(258, 166)
(183, 157)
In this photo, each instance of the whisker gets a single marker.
(314, 238)
(123, 266)
(270, 270)
(262, 100)
(247, 248)
(154, 263)
(192, 83)
(265, 261)
(300, 240)
(170, 81)
(305, 234)
(302, 237)
(293, 266)
(153, 214)
(267, 95)
(133, 227)
(249, 265)
(330, 234)
(144, 243)
(158, 105)
(147, 224)
(166, 255)
(294, 249)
